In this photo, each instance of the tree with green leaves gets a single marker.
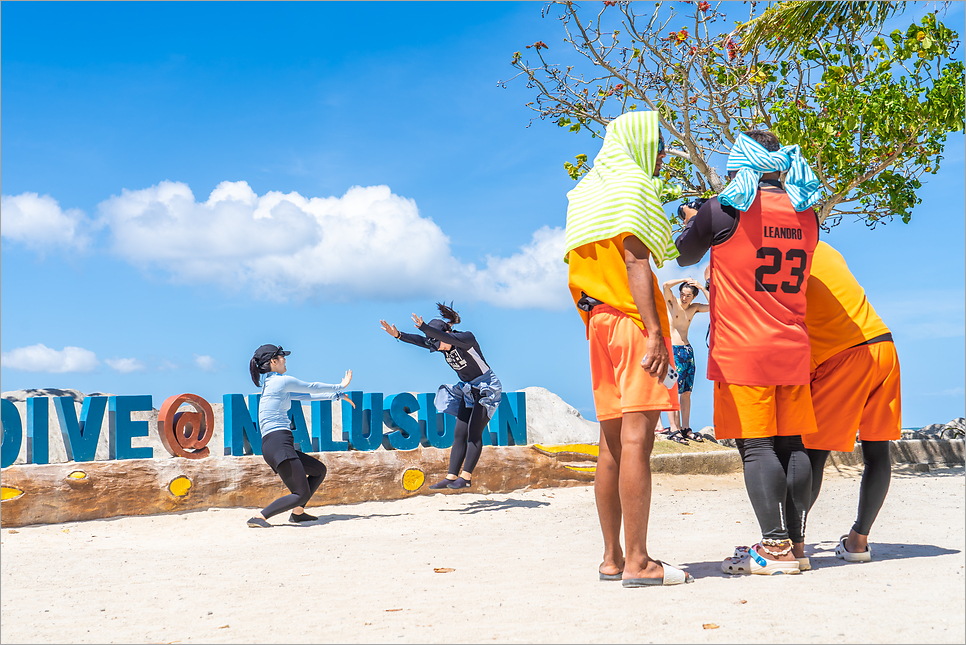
(870, 110)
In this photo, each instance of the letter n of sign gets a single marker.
(186, 434)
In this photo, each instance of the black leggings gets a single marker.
(302, 476)
(468, 438)
(875, 481)
(778, 476)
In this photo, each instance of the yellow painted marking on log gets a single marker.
(179, 486)
(582, 469)
(412, 479)
(78, 474)
(579, 448)
(9, 492)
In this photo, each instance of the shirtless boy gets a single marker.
(681, 312)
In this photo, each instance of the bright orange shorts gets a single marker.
(753, 411)
(857, 389)
(621, 385)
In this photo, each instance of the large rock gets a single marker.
(552, 421)
(45, 494)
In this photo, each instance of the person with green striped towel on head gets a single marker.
(615, 226)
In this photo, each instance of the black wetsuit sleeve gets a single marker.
(461, 339)
(415, 339)
(712, 224)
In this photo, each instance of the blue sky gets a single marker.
(147, 129)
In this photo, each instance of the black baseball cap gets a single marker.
(265, 353)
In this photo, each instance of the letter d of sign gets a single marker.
(186, 433)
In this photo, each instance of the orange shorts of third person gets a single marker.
(617, 346)
(857, 389)
(752, 411)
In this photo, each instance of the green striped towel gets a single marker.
(621, 194)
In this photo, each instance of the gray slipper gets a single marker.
(611, 576)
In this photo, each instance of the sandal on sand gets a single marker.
(803, 563)
(844, 554)
(692, 435)
(677, 437)
(752, 563)
(672, 576)
(611, 576)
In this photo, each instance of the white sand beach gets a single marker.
(524, 569)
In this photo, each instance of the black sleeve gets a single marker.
(461, 339)
(713, 224)
(415, 339)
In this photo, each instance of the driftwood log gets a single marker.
(70, 492)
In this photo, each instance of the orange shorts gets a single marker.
(621, 385)
(857, 389)
(754, 411)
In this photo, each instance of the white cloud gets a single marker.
(38, 222)
(367, 243)
(534, 277)
(206, 363)
(125, 365)
(40, 358)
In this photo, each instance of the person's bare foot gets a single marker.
(653, 569)
(856, 542)
(612, 566)
(784, 557)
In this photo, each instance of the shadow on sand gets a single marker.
(881, 551)
(338, 517)
(480, 505)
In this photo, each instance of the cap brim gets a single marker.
(283, 353)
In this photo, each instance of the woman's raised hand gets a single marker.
(418, 320)
(346, 379)
(389, 329)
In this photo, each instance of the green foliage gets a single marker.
(871, 111)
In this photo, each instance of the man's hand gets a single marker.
(418, 321)
(688, 213)
(389, 329)
(656, 360)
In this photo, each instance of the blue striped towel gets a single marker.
(751, 160)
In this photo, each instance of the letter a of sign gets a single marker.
(186, 434)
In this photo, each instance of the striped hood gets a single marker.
(620, 194)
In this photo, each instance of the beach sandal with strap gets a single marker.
(672, 576)
(752, 563)
(677, 437)
(692, 435)
(844, 554)
(804, 564)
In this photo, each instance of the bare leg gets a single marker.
(674, 420)
(634, 477)
(685, 410)
(607, 493)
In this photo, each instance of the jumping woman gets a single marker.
(472, 401)
(301, 473)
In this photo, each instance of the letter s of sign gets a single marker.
(186, 434)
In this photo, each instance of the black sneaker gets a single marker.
(304, 517)
(440, 485)
(258, 523)
(459, 482)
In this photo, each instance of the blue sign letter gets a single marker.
(396, 415)
(322, 428)
(300, 432)
(80, 439)
(38, 426)
(121, 429)
(12, 432)
(510, 420)
(437, 429)
(241, 425)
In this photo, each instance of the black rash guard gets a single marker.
(713, 224)
(465, 357)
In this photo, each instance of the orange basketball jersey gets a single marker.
(758, 281)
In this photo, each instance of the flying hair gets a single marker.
(448, 313)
